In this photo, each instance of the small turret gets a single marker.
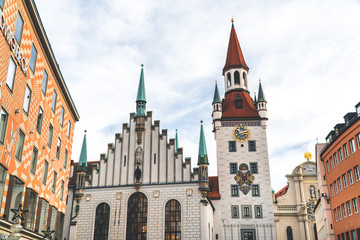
(217, 109)
(261, 105)
(81, 171)
(203, 164)
(140, 107)
(176, 142)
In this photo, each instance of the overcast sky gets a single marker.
(307, 54)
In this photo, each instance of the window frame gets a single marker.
(331, 163)
(65, 158)
(58, 148)
(255, 190)
(357, 173)
(348, 206)
(252, 145)
(256, 166)
(27, 88)
(355, 204)
(335, 159)
(344, 178)
(357, 136)
(33, 162)
(232, 146)
(231, 168)
(236, 208)
(62, 190)
(335, 215)
(352, 145)
(256, 207)
(44, 82)
(69, 129)
(339, 212)
(351, 177)
(62, 114)
(22, 28)
(45, 173)
(3, 124)
(341, 156)
(234, 193)
(328, 166)
(346, 150)
(54, 101)
(53, 186)
(343, 209)
(243, 207)
(39, 120)
(10, 80)
(19, 149)
(34, 59)
(339, 184)
(50, 135)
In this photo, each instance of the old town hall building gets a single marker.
(144, 188)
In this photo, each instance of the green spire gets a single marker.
(261, 95)
(217, 98)
(203, 158)
(82, 166)
(141, 99)
(176, 142)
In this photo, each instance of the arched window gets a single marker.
(228, 79)
(245, 79)
(289, 233)
(237, 78)
(238, 102)
(172, 220)
(137, 217)
(102, 217)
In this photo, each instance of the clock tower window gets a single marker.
(232, 146)
(237, 78)
(228, 79)
(252, 146)
(238, 102)
(254, 167)
(233, 168)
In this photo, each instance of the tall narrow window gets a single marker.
(45, 172)
(289, 234)
(2, 182)
(44, 82)
(258, 211)
(137, 217)
(69, 129)
(252, 146)
(246, 211)
(102, 218)
(234, 211)
(154, 158)
(343, 210)
(339, 213)
(341, 158)
(332, 189)
(355, 204)
(33, 160)
(19, 25)
(33, 57)
(16, 196)
(339, 184)
(234, 191)
(351, 178)
(357, 173)
(39, 120)
(20, 145)
(238, 102)
(346, 150)
(344, 178)
(172, 220)
(53, 187)
(65, 158)
(331, 163)
(53, 218)
(255, 190)
(348, 206)
(10, 77)
(62, 190)
(27, 99)
(233, 168)
(236, 78)
(62, 116)
(3, 123)
(124, 161)
(1, 4)
(335, 186)
(352, 145)
(327, 166)
(58, 148)
(358, 140)
(53, 103)
(43, 215)
(228, 79)
(30, 216)
(253, 167)
(335, 214)
(50, 135)
(335, 159)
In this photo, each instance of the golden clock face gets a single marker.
(241, 132)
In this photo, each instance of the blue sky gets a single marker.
(307, 54)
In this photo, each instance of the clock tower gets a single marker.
(245, 209)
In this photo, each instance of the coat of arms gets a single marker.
(244, 178)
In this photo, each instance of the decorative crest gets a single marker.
(244, 178)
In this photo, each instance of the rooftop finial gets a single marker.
(201, 121)
(232, 19)
(85, 130)
(142, 65)
(215, 81)
(259, 79)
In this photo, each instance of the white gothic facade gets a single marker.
(144, 188)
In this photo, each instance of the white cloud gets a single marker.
(306, 53)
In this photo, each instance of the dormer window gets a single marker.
(237, 78)
(238, 102)
(228, 79)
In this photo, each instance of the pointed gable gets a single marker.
(230, 109)
(235, 57)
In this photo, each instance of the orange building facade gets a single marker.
(36, 126)
(341, 159)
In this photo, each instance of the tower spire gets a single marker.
(217, 98)
(235, 57)
(261, 95)
(82, 166)
(203, 158)
(141, 99)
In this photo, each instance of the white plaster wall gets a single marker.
(162, 159)
(155, 150)
(110, 166)
(147, 151)
(117, 159)
(190, 210)
(124, 154)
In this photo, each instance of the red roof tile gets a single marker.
(248, 110)
(235, 57)
(214, 186)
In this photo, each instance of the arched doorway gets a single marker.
(102, 217)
